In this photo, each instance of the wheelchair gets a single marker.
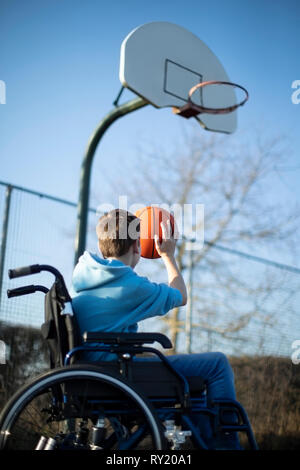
(123, 404)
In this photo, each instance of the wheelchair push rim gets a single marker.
(25, 420)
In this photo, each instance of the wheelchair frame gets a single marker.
(124, 405)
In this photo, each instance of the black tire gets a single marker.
(25, 419)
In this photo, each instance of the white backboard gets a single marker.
(161, 62)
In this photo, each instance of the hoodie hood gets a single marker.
(92, 271)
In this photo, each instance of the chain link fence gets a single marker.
(40, 229)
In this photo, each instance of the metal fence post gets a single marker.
(189, 310)
(4, 234)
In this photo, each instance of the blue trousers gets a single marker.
(216, 370)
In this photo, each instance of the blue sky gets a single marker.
(60, 60)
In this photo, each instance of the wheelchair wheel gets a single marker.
(81, 408)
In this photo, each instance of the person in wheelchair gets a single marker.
(109, 296)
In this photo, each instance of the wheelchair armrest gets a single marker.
(127, 338)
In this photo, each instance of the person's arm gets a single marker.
(166, 250)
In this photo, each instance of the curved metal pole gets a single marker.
(83, 203)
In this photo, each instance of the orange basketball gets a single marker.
(150, 220)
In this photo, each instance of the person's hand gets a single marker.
(167, 246)
(166, 250)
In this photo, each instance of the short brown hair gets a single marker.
(117, 230)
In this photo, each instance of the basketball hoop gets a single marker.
(191, 109)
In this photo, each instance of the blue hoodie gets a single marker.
(107, 295)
